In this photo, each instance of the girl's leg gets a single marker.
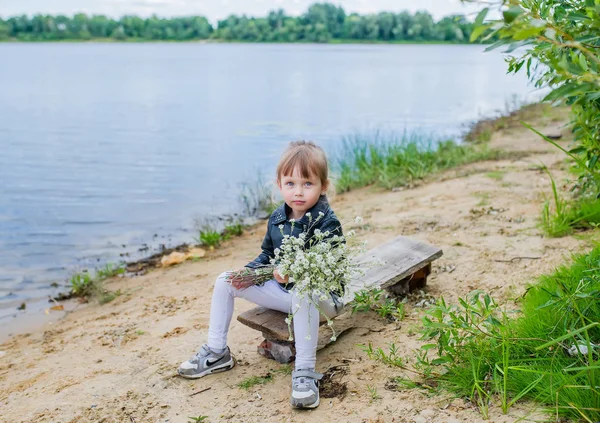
(306, 327)
(270, 295)
(215, 356)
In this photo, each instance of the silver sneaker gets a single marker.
(206, 362)
(305, 388)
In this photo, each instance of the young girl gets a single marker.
(302, 178)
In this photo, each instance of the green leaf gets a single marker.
(574, 157)
(512, 13)
(567, 90)
(515, 46)
(567, 336)
(481, 16)
(575, 16)
(588, 39)
(428, 347)
(477, 32)
(583, 62)
(528, 32)
(518, 67)
(441, 360)
(578, 150)
(576, 369)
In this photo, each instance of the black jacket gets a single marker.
(273, 238)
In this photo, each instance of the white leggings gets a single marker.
(271, 295)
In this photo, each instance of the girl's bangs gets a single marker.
(306, 165)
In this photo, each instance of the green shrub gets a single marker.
(374, 300)
(209, 237)
(85, 284)
(548, 351)
(562, 52)
(233, 230)
(561, 217)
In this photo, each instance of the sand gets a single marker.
(117, 362)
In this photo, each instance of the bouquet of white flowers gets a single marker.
(316, 262)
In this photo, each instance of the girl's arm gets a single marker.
(264, 258)
(333, 226)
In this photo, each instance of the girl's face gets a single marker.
(300, 194)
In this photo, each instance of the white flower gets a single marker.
(292, 220)
(308, 214)
(357, 219)
(316, 265)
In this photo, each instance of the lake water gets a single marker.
(107, 147)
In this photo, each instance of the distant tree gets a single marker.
(404, 21)
(353, 28)
(386, 22)
(4, 30)
(371, 27)
(423, 26)
(322, 22)
(133, 26)
(326, 19)
(119, 33)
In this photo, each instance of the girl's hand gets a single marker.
(240, 281)
(280, 278)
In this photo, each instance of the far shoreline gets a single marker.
(217, 41)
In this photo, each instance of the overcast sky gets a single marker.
(218, 9)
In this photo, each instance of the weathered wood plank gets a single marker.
(270, 322)
(403, 257)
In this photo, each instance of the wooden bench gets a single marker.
(407, 263)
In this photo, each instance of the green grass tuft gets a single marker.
(255, 380)
(373, 393)
(483, 351)
(561, 217)
(233, 229)
(391, 161)
(389, 308)
(91, 285)
(392, 359)
(498, 175)
(209, 237)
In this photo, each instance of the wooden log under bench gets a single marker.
(407, 263)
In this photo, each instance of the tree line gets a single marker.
(322, 22)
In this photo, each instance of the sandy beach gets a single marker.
(117, 362)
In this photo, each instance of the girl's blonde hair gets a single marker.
(308, 158)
